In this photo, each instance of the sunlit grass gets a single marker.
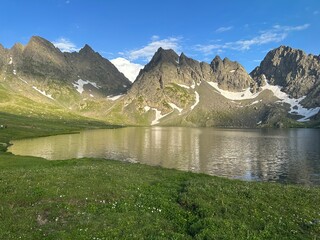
(101, 199)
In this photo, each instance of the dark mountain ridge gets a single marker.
(42, 59)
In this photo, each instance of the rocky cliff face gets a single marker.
(41, 60)
(296, 72)
(170, 80)
(231, 75)
(90, 65)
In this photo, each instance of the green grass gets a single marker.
(30, 126)
(101, 199)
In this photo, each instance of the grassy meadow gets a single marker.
(103, 199)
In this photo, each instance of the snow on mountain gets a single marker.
(43, 93)
(80, 84)
(175, 107)
(295, 106)
(197, 101)
(113, 98)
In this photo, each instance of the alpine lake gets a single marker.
(276, 155)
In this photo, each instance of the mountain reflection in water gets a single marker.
(289, 155)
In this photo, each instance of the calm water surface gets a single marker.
(291, 155)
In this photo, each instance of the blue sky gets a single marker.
(133, 30)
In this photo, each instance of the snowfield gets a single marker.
(113, 98)
(80, 84)
(295, 106)
(158, 116)
(172, 105)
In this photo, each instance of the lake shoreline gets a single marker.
(86, 198)
(276, 155)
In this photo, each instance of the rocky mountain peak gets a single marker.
(230, 75)
(184, 60)
(292, 69)
(162, 56)
(41, 43)
(86, 50)
(17, 47)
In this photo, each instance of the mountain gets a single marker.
(296, 72)
(177, 90)
(39, 80)
(41, 74)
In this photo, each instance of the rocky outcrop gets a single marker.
(295, 71)
(90, 65)
(231, 75)
(42, 59)
(2, 56)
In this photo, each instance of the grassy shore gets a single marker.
(102, 199)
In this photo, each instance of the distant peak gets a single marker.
(217, 58)
(17, 47)
(226, 60)
(182, 55)
(36, 41)
(86, 49)
(165, 55)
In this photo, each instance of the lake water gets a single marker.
(289, 155)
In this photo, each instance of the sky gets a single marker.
(129, 32)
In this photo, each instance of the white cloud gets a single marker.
(208, 49)
(129, 69)
(65, 45)
(273, 35)
(145, 53)
(223, 29)
(316, 12)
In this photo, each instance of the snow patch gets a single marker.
(91, 95)
(43, 93)
(80, 83)
(255, 102)
(258, 123)
(246, 94)
(10, 62)
(184, 86)
(113, 98)
(158, 116)
(197, 101)
(146, 108)
(14, 72)
(232, 71)
(193, 85)
(23, 80)
(172, 105)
